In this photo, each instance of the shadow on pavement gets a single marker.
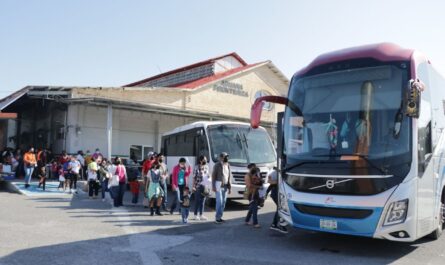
(206, 242)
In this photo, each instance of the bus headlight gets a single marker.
(397, 212)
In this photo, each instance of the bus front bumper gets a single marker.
(364, 215)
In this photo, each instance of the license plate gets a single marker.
(328, 224)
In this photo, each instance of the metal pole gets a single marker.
(109, 129)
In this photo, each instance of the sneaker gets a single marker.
(202, 218)
(197, 218)
(248, 223)
(159, 214)
(222, 220)
(282, 229)
(274, 227)
(257, 226)
(218, 221)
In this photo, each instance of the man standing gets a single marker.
(221, 176)
(164, 176)
(30, 162)
(75, 173)
(81, 160)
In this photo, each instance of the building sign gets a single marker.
(231, 88)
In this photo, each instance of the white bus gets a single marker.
(243, 144)
(363, 144)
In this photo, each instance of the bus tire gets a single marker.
(438, 231)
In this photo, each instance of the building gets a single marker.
(131, 119)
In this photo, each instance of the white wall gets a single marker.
(129, 128)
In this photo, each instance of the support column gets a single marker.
(109, 130)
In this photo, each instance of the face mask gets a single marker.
(226, 159)
(253, 171)
(204, 162)
(160, 160)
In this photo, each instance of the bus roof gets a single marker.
(199, 124)
(382, 51)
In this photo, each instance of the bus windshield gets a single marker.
(350, 115)
(243, 144)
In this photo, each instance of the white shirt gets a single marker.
(81, 160)
(75, 166)
(226, 173)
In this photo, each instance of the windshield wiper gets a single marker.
(382, 170)
(245, 140)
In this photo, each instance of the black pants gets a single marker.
(175, 199)
(93, 188)
(119, 196)
(42, 183)
(274, 196)
(73, 182)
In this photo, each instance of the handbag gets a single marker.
(113, 181)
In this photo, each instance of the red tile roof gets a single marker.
(188, 67)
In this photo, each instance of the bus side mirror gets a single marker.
(413, 98)
(257, 108)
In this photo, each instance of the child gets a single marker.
(134, 188)
(61, 178)
(185, 205)
(42, 176)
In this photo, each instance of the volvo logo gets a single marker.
(330, 183)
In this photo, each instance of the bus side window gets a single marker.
(203, 147)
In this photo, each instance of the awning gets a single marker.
(5, 102)
(7, 115)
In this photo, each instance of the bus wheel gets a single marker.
(438, 231)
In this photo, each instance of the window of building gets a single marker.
(139, 152)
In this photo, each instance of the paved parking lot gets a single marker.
(75, 230)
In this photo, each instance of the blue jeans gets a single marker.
(176, 200)
(104, 187)
(221, 198)
(253, 212)
(185, 214)
(199, 200)
(28, 174)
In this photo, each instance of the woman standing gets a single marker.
(155, 193)
(179, 180)
(121, 173)
(104, 176)
(253, 183)
(30, 162)
(201, 187)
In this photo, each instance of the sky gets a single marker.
(112, 43)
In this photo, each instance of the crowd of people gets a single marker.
(111, 176)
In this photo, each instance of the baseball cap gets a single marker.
(223, 154)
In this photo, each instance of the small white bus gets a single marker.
(243, 144)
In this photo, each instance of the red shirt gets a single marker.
(63, 160)
(146, 166)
